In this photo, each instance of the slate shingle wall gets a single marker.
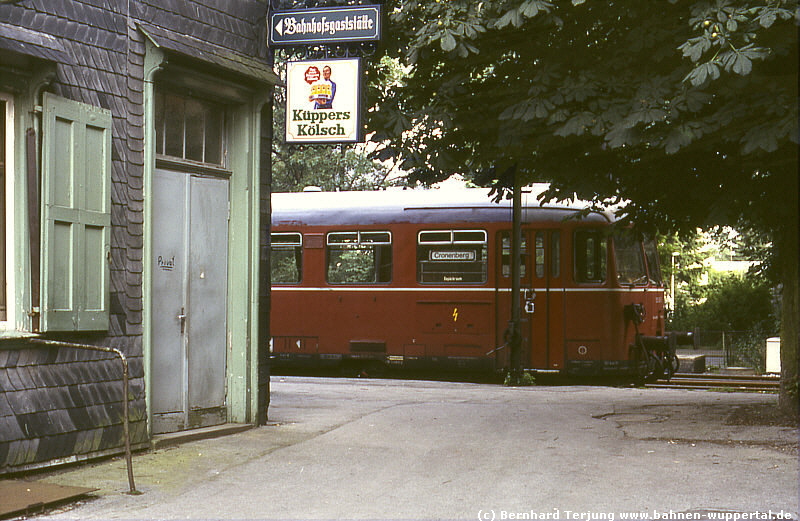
(63, 403)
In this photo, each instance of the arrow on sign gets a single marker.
(279, 27)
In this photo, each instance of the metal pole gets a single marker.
(125, 416)
(516, 251)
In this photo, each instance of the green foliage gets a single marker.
(732, 302)
(686, 110)
(352, 265)
(522, 380)
(284, 266)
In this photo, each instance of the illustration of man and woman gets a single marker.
(323, 91)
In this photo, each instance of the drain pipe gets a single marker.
(125, 419)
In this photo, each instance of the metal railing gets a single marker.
(125, 414)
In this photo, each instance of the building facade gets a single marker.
(131, 196)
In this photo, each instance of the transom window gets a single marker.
(189, 128)
(451, 257)
(359, 257)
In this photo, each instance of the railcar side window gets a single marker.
(359, 257)
(286, 259)
(452, 257)
(539, 255)
(506, 255)
(591, 248)
(555, 254)
(630, 260)
(651, 253)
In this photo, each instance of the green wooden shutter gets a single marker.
(76, 216)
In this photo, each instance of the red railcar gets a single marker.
(421, 278)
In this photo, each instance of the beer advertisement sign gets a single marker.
(323, 101)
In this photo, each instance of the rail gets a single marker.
(748, 383)
(125, 415)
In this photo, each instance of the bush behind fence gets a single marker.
(732, 348)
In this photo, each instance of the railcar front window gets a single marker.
(653, 268)
(286, 259)
(630, 260)
(359, 257)
(591, 248)
(452, 257)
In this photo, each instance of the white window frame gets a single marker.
(9, 324)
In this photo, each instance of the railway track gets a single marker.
(720, 382)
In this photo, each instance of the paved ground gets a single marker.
(383, 449)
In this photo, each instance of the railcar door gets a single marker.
(541, 298)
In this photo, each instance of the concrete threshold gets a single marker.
(160, 441)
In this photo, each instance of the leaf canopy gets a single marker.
(687, 109)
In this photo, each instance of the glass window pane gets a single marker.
(351, 265)
(286, 239)
(195, 129)
(173, 125)
(457, 263)
(160, 118)
(214, 133)
(651, 252)
(590, 256)
(376, 237)
(555, 255)
(469, 236)
(436, 236)
(359, 257)
(343, 238)
(630, 260)
(506, 256)
(539, 254)
(286, 265)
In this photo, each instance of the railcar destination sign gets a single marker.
(325, 25)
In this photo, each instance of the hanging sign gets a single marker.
(325, 25)
(323, 101)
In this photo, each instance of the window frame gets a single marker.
(294, 247)
(453, 240)
(653, 265)
(9, 288)
(602, 246)
(628, 250)
(506, 256)
(364, 243)
(182, 162)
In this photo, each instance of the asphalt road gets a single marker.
(391, 449)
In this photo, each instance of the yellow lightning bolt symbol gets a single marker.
(455, 314)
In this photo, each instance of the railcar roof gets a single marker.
(469, 205)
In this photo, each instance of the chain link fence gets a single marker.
(725, 349)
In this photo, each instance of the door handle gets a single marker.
(182, 318)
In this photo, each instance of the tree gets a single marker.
(683, 111)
